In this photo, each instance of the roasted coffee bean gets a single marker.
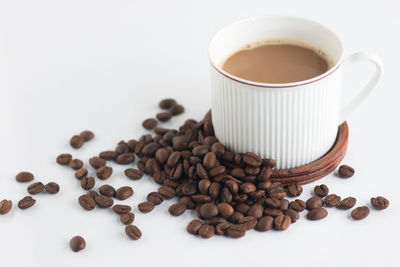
(87, 183)
(248, 222)
(107, 190)
(252, 159)
(282, 222)
(204, 185)
(93, 194)
(256, 210)
(346, 171)
(272, 203)
(321, 190)
(164, 116)
(149, 123)
(5, 206)
(174, 158)
(76, 141)
(201, 150)
(150, 149)
(247, 188)
(76, 164)
(208, 210)
(162, 155)
(125, 158)
(221, 228)
(146, 206)
(347, 203)
(176, 109)
(225, 210)
(108, 155)
(87, 135)
(218, 149)
(35, 188)
(360, 213)
(265, 223)
(232, 186)
(24, 177)
(133, 232)
(64, 159)
(127, 218)
(206, 231)
(97, 162)
(284, 204)
(294, 190)
(218, 170)
(77, 243)
(314, 202)
(176, 172)
(215, 189)
(269, 162)
(155, 198)
(317, 214)
(104, 172)
(294, 215)
(242, 208)
(122, 148)
(133, 174)
(238, 173)
(167, 103)
(171, 183)
(379, 203)
(332, 200)
(121, 209)
(124, 192)
(82, 172)
(226, 195)
(235, 217)
(252, 171)
(236, 231)
(272, 212)
(210, 161)
(215, 220)
(177, 209)
(26, 202)
(52, 188)
(264, 185)
(201, 171)
(179, 143)
(103, 201)
(194, 226)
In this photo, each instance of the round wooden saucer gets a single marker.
(316, 169)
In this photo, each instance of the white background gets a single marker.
(66, 66)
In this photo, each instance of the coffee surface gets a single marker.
(276, 63)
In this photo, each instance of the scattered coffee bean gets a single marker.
(133, 174)
(282, 222)
(97, 162)
(5, 206)
(76, 164)
(164, 116)
(35, 188)
(264, 224)
(206, 231)
(294, 190)
(314, 202)
(294, 215)
(87, 202)
(236, 231)
(379, 203)
(166, 192)
(167, 103)
(321, 190)
(332, 200)
(93, 194)
(87, 183)
(177, 209)
(77, 243)
(125, 158)
(248, 222)
(121, 209)
(133, 232)
(82, 172)
(317, 214)
(64, 159)
(194, 226)
(146, 206)
(26, 202)
(346, 171)
(108, 155)
(346, 203)
(155, 197)
(104, 172)
(76, 141)
(127, 218)
(52, 188)
(87, 135)
(107, 190)
(104, 201)
(124, 192)
(149, 124)
(360, 213)
(24, 177)
(176, 109)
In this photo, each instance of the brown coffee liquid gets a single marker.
(276, 63)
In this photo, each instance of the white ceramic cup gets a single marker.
(293, 123)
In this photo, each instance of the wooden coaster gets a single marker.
(316, 169)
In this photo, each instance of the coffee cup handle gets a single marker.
(355, 58)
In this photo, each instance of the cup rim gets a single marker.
(275, 85)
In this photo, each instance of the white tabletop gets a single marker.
(67, 66)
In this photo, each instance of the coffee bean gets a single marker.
(269, 162)
(272, 203)
(332, 200)
(104, 172)
(238, 173)
(87, 135)
(121, 209)
(149, 124)
(208, 210)
(204, 185)
(166, 192)
(52, 188)
(346, 203)
(210, 161)
(176, 109)
(167, 103)
(35, 188)
(247, 188)
(124, 192)
(26, 202)
(24, 177)
(103, 201)
(133, 174)
(108, 155)
(155, 198)
(273, 212)
(294, 190)
(127, 218)
(321, 190)
(252, 159)
(82, 172)
(256, 210)
(87, 183)
(107, 190)
(64, 159)
(236, 231)
(314, 202)
(201, 171)
(265, 223)
(87, 202)
(206, 231)
(221, 228)
(146, 206)
(5, 206)
(164, 116)
(232, 186)
(76, 164)
(162, 155)
(379, 203)
(77, 243)
(215, 220)
(218, 149)
(225, 210)
(360, 213)
(125, 158)
(294, 215)
(317, 214)
(235, 217)
(194, 226)
(97, 162)
(346, 171)
(133, 232)
(93, 194)
(282, 222)
(248, 222)
(177, 209)
(76, 141)
(150, 149)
